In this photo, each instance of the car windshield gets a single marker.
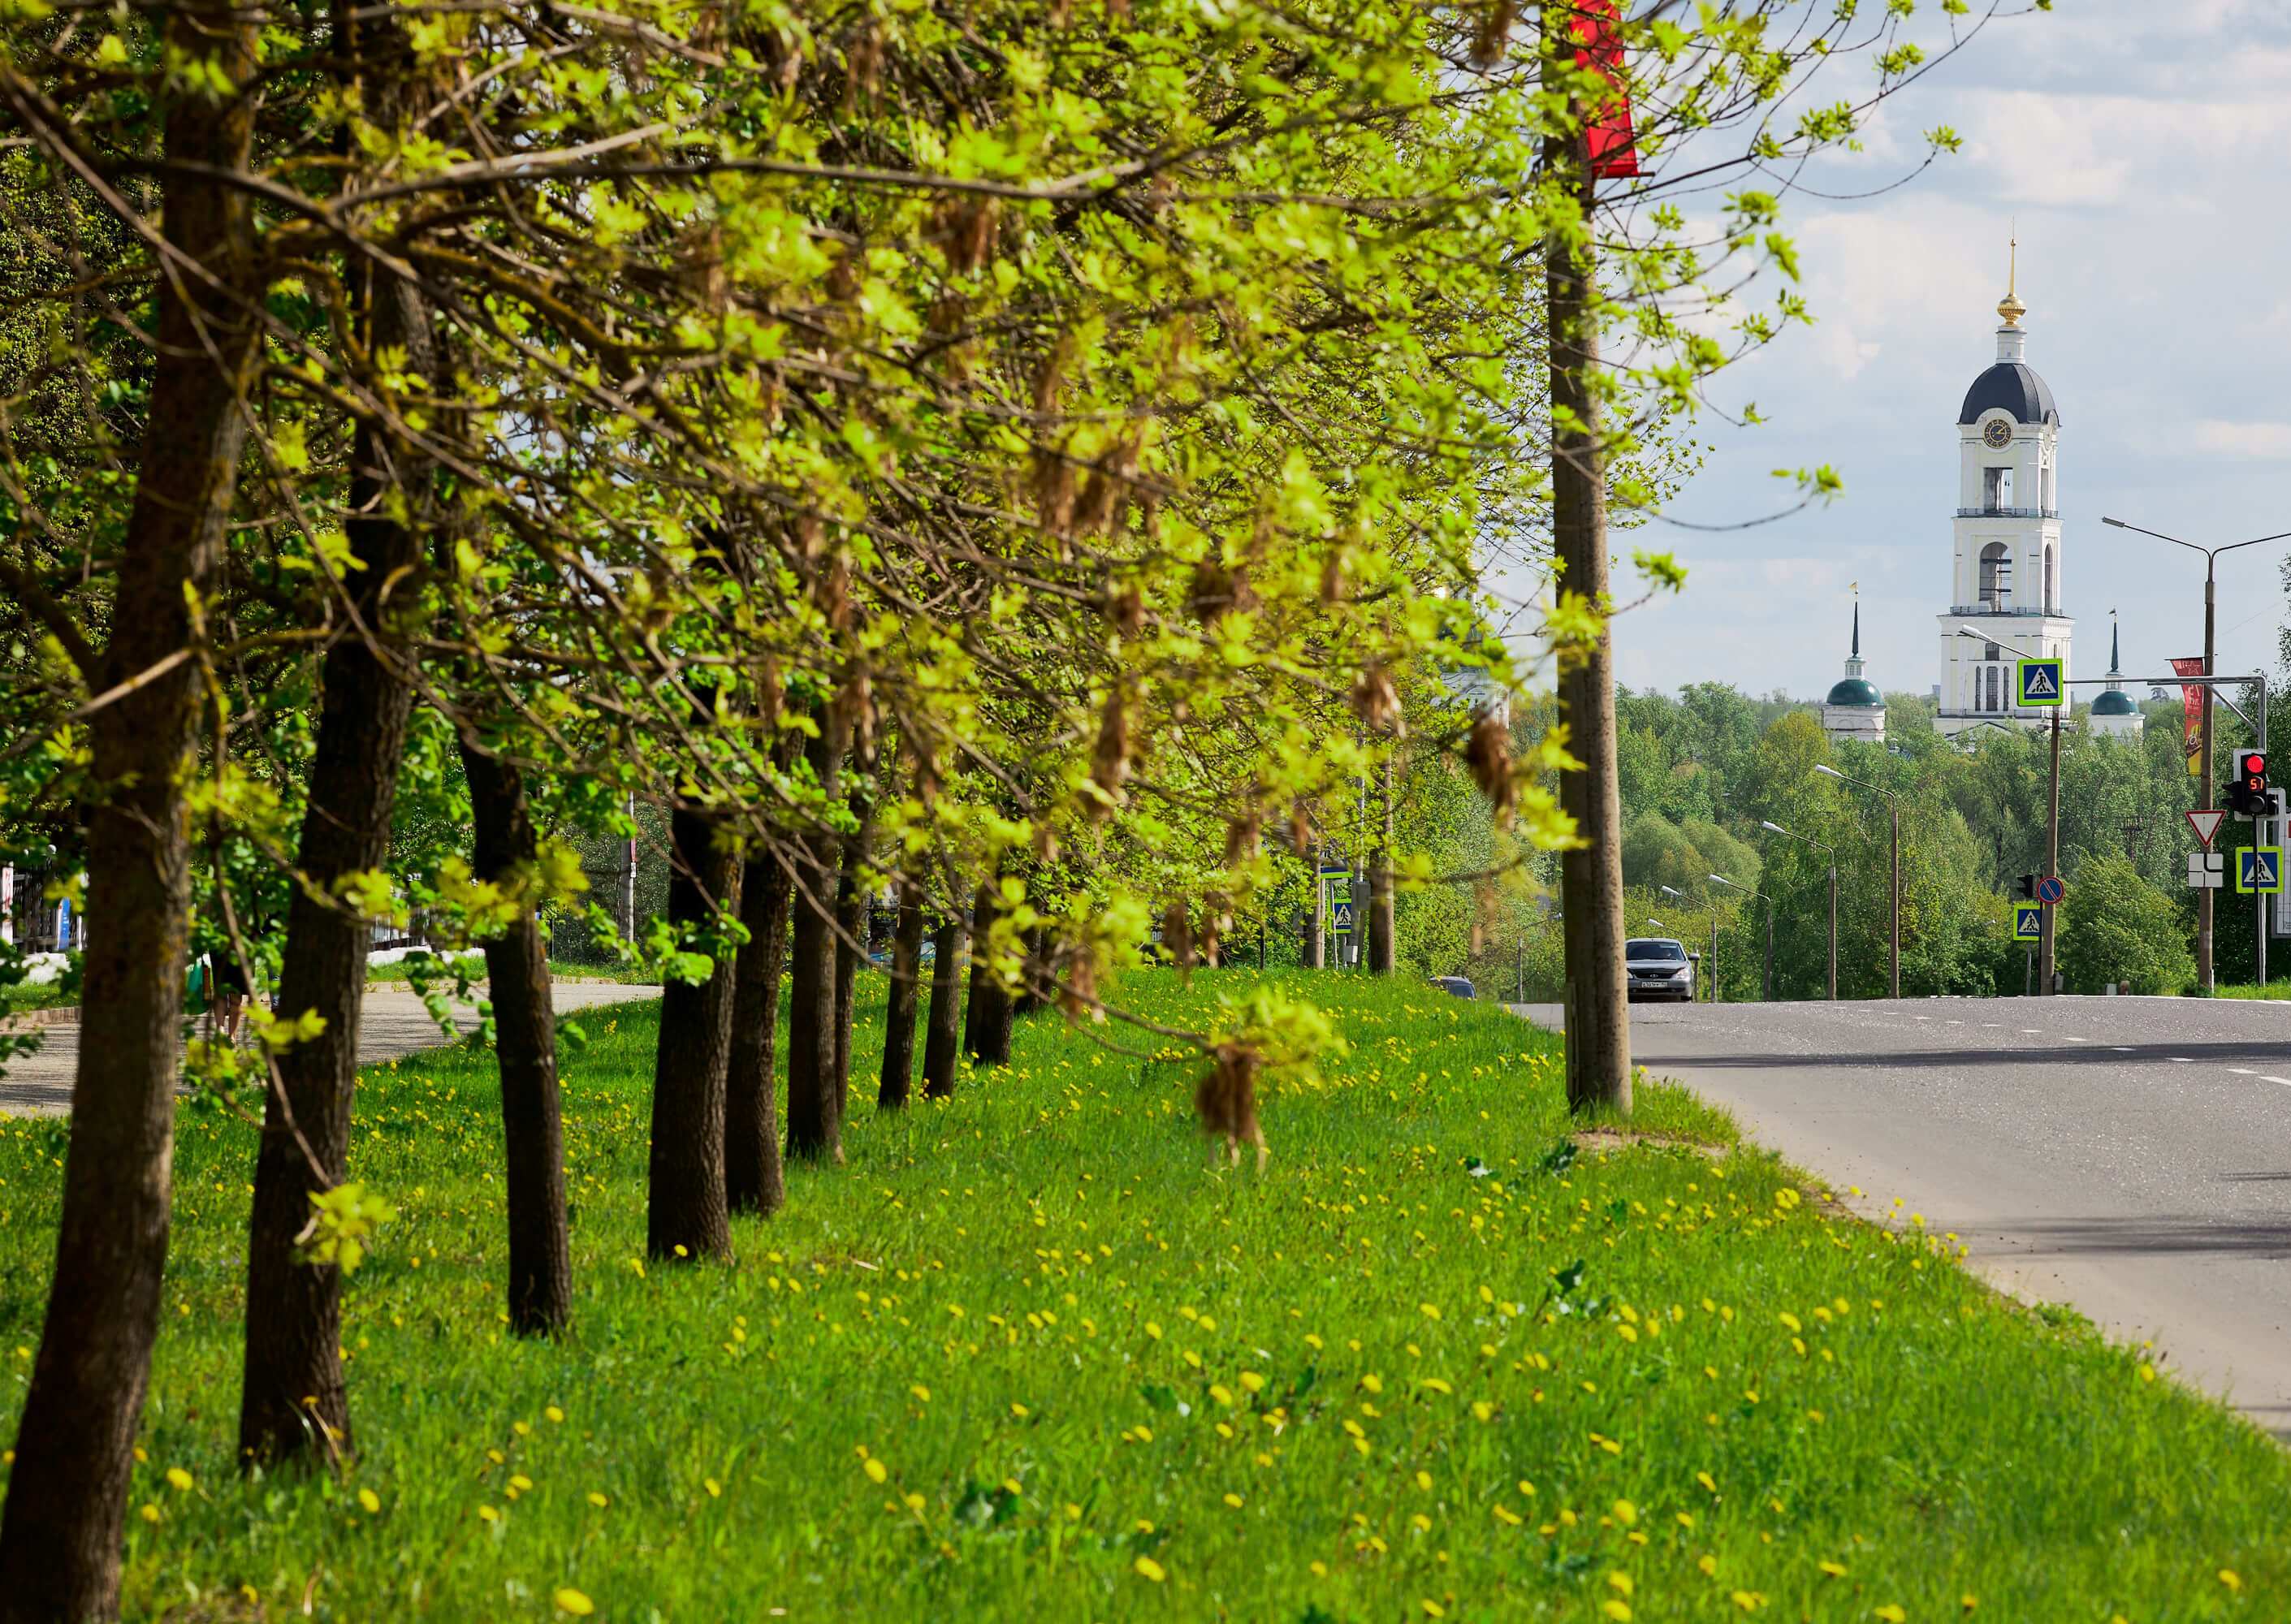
(1667, 952)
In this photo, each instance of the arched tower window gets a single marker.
(1997, 578)
(2052, 582)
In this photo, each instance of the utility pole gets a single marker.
(2045, 945)
(1591, 873)
(2204, 978)
(1893, 950)
(1831, 853)
(2053, 805)
(1767, 988)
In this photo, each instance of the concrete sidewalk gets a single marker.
(393, 1023)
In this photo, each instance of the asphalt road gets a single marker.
(393, 1023)
(2129, 1156)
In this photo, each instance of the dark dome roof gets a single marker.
(2114, 702)
(2014, 388)
(1858, 691)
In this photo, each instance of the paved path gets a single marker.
(2129, 1156)
(393, 1023)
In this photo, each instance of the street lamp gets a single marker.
(2211, 562)
(1766, 991)
(1832, 850)
(2046, 942)
(1893, 958)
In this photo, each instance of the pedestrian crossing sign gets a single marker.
(2028, 921)
(2259, 868)
(2041, 683)
(1344, 925)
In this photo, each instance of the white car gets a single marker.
(1658, 968)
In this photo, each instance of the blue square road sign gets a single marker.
(2258, 868)
(2041, 683)
(2028, 921)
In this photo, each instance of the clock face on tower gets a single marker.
(1998, 434)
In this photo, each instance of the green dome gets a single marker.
(1858, 692)
(2114, 702)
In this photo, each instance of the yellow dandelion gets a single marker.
(370, 1500)
(180, 1480)
(1145, 1567)
(570, 1600)
(875, 1470)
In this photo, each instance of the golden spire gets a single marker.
(2010, 306)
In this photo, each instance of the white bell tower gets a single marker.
(2007, 573)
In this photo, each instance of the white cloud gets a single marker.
(2268, 440)
(2135, 150)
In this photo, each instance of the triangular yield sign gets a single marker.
(2206, 826)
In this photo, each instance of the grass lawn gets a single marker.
(2272, 990)
(1028, 1358)
(441, 969)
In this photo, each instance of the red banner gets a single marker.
(1611, 143)
(2191, 697)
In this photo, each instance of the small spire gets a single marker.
(2010, 306)
(2114, 646)
(1857, 625)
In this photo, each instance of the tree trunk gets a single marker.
(59, 1536)
(851, 941)
(899, 1003)
(1591, 876)
(525, 1046)
(1382, 920)
(815, 1125)
(293, 1398)
(942, 1041)
(754, 1180)
(1037, 973)
(686, 1206)
(986, 1026)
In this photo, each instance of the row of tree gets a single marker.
(1040, 457)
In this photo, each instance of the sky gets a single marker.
(2136, 147)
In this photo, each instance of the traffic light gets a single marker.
(2247, 794)
(2027, 887)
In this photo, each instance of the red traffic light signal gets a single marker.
(2248, 793)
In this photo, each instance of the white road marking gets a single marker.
(2243, 1071)
(2121, 1049)
(2073, 1039)
(2286, 1082)
(2183, 1060)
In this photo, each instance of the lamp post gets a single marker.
(1832, 850)
(1893, 950)
(2211, 562)
(2046, 942)
(1673, 891)
(1766, 992)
